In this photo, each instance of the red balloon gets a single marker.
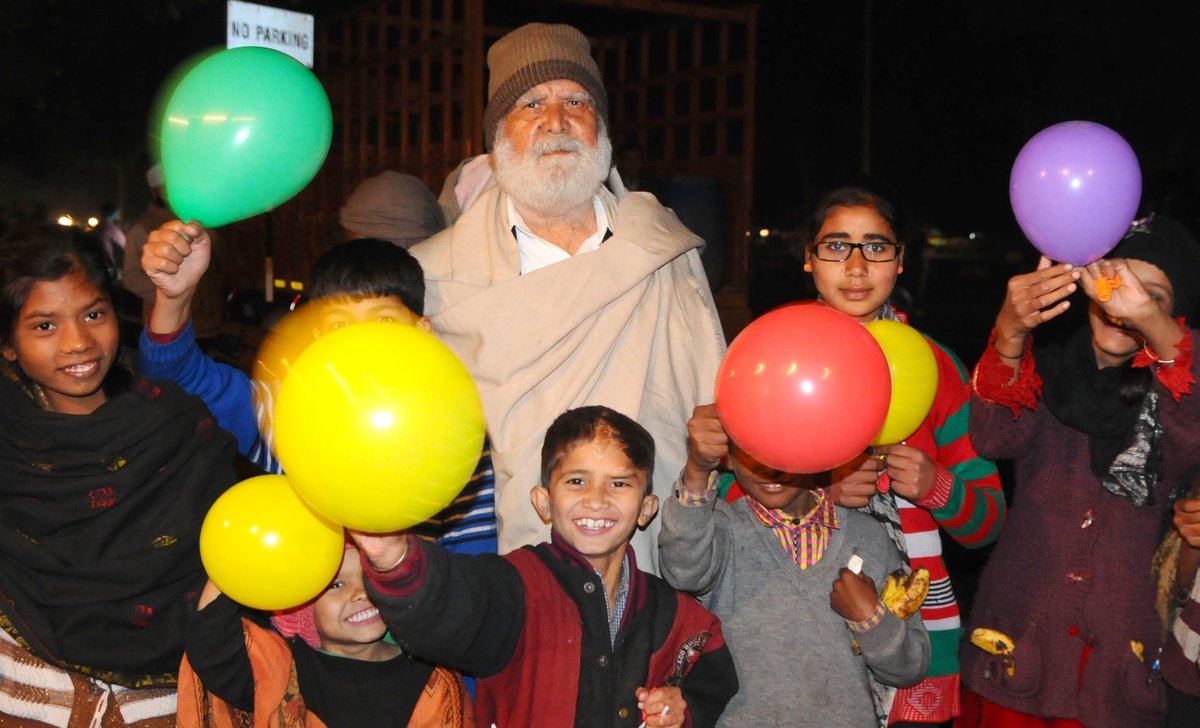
(803, 388)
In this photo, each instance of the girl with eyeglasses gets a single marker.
(933, 479)
(1103, 428)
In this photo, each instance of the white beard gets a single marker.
(553, 185)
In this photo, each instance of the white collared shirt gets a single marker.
(538, 253)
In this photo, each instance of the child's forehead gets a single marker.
(604, 444)
(352, 299)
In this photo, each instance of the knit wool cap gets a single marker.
(534, 54)
(299, 622)
(395, 207)
(1166, 244)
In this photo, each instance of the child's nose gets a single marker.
(856, 264)
(595, 497)
(77, 338)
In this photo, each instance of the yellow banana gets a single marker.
(997, 643)
(1138, 649)
(893, 588)
(903, 595)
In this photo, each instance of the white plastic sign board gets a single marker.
(250, 24)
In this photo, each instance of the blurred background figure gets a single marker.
(630, 161)
(111, 236)
(156, 213)
(392, 206)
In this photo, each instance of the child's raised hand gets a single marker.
(707, 445)
(853, 596)
(910, 471)
(1119, 292)
(176, 256)
(663, 706)
(383, 551)
(854, 483)
(1033, 299)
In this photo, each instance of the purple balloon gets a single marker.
(1075, 188)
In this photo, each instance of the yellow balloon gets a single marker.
(914, 379)
(378, 426)
(264, 547)
(279, 350)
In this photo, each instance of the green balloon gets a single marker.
(243, 132)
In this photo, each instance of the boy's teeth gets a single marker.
(594, 522)
(364, 615)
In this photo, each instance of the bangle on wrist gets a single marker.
(396, 565)
(1154, 357)
(1006, 356)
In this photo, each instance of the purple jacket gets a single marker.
(1070, 578)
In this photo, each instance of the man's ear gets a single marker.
(807, 259)
(9, 353)
(540, 497)
(649, 510)
(425, 324)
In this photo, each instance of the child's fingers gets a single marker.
(1187, 505)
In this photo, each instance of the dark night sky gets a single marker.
(956, 89)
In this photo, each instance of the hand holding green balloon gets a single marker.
(243, 132)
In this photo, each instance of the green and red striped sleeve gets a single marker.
(975, 511)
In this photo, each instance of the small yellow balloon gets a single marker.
(378, 426)
(265, 548)
(914, 379)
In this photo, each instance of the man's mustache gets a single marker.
(552, 146)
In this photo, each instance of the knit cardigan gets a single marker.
(1070, 580)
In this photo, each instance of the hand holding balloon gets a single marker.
(1031, 300)
(1139, 306)
(707, 446)
(1128, 300)
(911, 472)
(854, 482)
(383, 551)
(175, 257)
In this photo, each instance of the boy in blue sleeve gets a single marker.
(361, 280)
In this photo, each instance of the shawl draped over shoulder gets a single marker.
(631, 326)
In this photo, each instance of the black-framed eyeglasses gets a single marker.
(873, 251)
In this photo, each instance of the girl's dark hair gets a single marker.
(366, 268)
(856, 197)
(580, 425)
(37, 253)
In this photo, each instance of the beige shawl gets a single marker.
(631, 326)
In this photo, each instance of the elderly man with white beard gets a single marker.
(556, 294)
